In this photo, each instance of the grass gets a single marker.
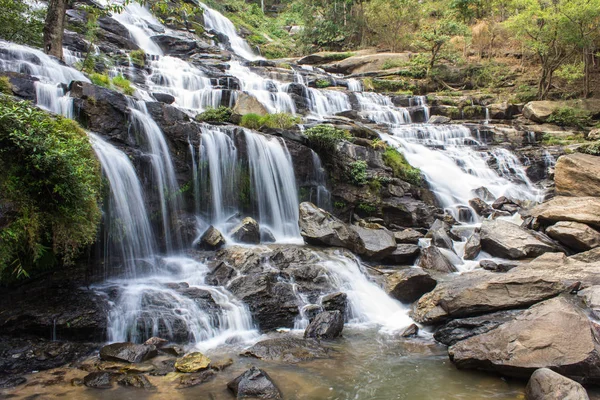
(568, 116)
(590, 148)
(401, 168)
(123, 84)
(119, 82)
(273, 121)
(5, 85)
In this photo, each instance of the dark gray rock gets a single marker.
(326, 325)
(164, 97)
(22, 85)
(175, 46)
(318, 227)
(335, 302)
(287, 349)
(484, 193)
(195, 379)
(408, 236)
(127, 352)
(507, 240)
(405, 254)
(254, 383)
(464, 328)
(480, 207)
(136, 381)
(408, 285)
(374, 244)
(9, 381)
(247, 231)
(266, 236)
(99, 380)
(433, 259)
(472, 247)
(411, 331)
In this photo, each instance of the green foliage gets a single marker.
(375, 186)
(400, 167)
(434, 36)
(551, 140)
(251, 121)
(273, 121)
(138, 57)
(180, 14)
(590, 148)
(366, 208)
(100, 79)
(325, 137)
(118, 82)
(123, 84)
(568, 116)
(322, 83)
(571, 72)
(358, 173)
(339, 204)
(525, 94)
(491, 74)
(221, 114)
(49, 190)
(393, 22)
(5, 86)
(20, 22)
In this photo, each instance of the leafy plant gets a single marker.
(590, 148)
(322, 83)
(100, 79)
(221, 114)
(325, 137)
(339, 204)
(21, 22)
(280, 121)
(138, 57)
(366, 208)
(358, 172)
(251, 121)
(5, 85)
(124, 84)
(568, 116)
(400, 167)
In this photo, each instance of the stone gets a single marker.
(464, 328)
(222, 364)
(441, 239)
(98, 380)
(500, 202)
(539, 111)
(9, 381)
(481, 207)
(473, 246)
(374, 244)
(164, 97)
(173, 350)
(175, 46)
(365, 63)
(156, 341)
(128, 352)
(337, 301)
(247, 231)
(483, 193)
(594, 134)
(326, 325)
(287, 349)
(408, 236)
(506, 240)
(433, 259)
(195, 379)
(411, 331)
(546, 384)
(211, 239)
(553, 334)
(254, 383)
(490, 265)
(577, 175)
(575, 235)
(247, 104)
(405, 254)
(318, 227)
(266, 236)
(578, 209)
(136, 381)
(409, 285)
(192, 362)
(439, 120)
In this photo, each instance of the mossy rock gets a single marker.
(192, 362)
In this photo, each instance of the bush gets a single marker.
(401, 168)
(358, 173)
(5, 86)
(138, 57)
(221, 114)
(123, 84)
(49, 189)
(280, 121)
(322, 83)
(119, 82)
(366, 208)
(591, 149)
(100, 79)
(325, 137)
(568, 116)
(251, 121)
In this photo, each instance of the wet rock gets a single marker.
(156, 341)
(9, 381)
(318, 227)
(585, 210)
(98, 380)
(484, 193)
(173, 350)
(501, 202)
(136, 381)
(411, 331)
(128, 352)
(490, 265)
(164, 98)
(254, 383)
(433, 259)
(287, 349)
(113, 26)
(507, 240)
(266, 236)
(326, 325)
(575, 235)
(464, 328)
(163, 367)
(22, 85)
(311, 311)
(546, 384)
(480, 207)
(439, 120)
(335, 302)
(473, 246)
(374, 244)
(542, 336)
(247, 231)
(405, 254)
(192, 362)
(195, 379)
(408, 236)
(409, 285)
(220, 365)
(211, 239)
(441, 239)
(175, 46)
(247, 104)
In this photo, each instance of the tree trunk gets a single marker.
(586, 72)
(54, 28)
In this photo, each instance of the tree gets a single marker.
(20, 22)
(436, 34)
(393, 22)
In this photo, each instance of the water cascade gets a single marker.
(380, 109)
(319, 194)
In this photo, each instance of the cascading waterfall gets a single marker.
(142, 25)
(324, 103)
(380, 109)
(319, 194)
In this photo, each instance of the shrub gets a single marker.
(358, 172)
(322, 83)
(138, 57)
(124, 84)
(366, 208)
(400, 167)
(375, 186)
(280, 121)
(100, 79)
(591, 149)
(325, 137)
(49, 189)
(221, 114)
(5, 85)
(251, 121)
(339, 204)
(568, 116)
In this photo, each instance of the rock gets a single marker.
(318, 58)
(156, 341)
(211, 239)
(480, 207)
(136, 381)
(490, 265)
(9, 381)
(473, 246)
(577, 175)
(266, 236)
(405, 254)
(578, 209)
(22, 85)
(176, 46)
(409, 285)
(164, 98)
(546, 384)
(411, 331)
(507, 240)
(439, 120)
(501, 201)
(247, 231)
(195, 379)
(408, 236)
(98, 380)
(433, 259)
(247, 104)
(221, 364)
(287, 349)
(326, 325)
(594, 134)
(539, 111)
(365, 63)
(335, 302)
(441, 239)
(318, 227)
(484, 193)
(464, 328)
(374, 244)
(575, 235)
(192, 362)
(591, 297)
(542, 336)
(173, 350)
(254, 383)
(128, 352)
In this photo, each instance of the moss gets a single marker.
(551, 140)
(5, 85)
(590, 148)
(367, 208)
(387, 85)
(568, 116)
(322, 83)
(221, 114)
(375, 186)
(123, 84)
(401, 168)
(473, 112)
(339, 205)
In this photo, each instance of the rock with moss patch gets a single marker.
(192, 362)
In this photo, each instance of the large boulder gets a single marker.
(546, 384)
(337, 301)
(374, 244)
(211, 239)
(366, 63)
(507, 240)
(318, 227)
(128, 352)
(539, 111)
(577, 175)
(481, 207)
(575, 235)
(408, 236)
(464, 328)
(553, 334)
(192, 362)
(287, 349)
(409, 284)
(433, 259)
(246, 231)
(326, 325)
(579, 209)
(405, 254)
(248, 104)
(256, 384)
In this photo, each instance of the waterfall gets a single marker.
(323, 103)
(52, 97)
(142, 25)
(319, 195)
(380, 109)
(354, 85)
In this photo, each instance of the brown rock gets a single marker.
(409, 284)
(577, 175)
(575, 235)
(546, 384)
(578, 209)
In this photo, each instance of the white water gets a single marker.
(319, 194)
(380, 109)
(138, 21)
(324, 103)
